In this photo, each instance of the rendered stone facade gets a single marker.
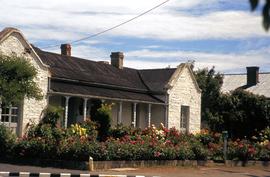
(30, 109)
(184, 92)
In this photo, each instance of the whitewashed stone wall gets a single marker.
(31, 109)
(184, 93)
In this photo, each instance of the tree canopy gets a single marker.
(210, 82)
(240, 112)
(265, 12)
(17, 79)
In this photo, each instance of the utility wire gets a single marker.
(109, 29)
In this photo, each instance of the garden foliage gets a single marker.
(17, 79)
(7, 140)
(103, 118)
(239, 112)
(77, 143)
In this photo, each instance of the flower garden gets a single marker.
(46, 141)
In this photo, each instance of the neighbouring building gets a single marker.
(252, 81)
(141, 97)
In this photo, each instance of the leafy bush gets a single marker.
(41, 142)
(120, 131)
(91, 129)
(35, 148)
(185, 152)
(200, 152)
(241, 150)
(7, 140)
(52, 115)
(103, 118)
(264, 154)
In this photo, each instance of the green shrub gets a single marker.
(264, 154)
(91, 129)
(35, 148)
(241, 150)
(7, 140)
(103, 117)
(120, 131)
(73, 148)
(201, 153)
(184, 152)
(52, 115)
(42, 141)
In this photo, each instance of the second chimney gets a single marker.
(252, 75)
(66, 49)
(117, 59)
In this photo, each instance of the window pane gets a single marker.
(4, 119)
(14, 119)
(14, 111)
(5, 110)
(184, 116)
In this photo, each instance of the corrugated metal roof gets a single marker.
(234, 81)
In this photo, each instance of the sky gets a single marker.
(220, 33)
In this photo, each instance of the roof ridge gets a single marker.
(78, 58)
(232, 74)
(156, 69)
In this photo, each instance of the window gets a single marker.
(9, 116)
(184, 118)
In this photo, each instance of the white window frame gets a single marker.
(184, 119)
(11, 117)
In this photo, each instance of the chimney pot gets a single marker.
(252, 75)
(117, 59)
(66, 49)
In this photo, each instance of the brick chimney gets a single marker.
(252, 75)
(66, 49)
(117, 59)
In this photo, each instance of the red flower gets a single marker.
(132, 142)
(251, 150)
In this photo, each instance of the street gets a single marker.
(157, 171)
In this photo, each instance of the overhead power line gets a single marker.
(111, 28)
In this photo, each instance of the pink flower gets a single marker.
(157, 154)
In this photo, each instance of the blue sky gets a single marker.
(219, 33)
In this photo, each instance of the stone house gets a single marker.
(141, 97)
(252, 81)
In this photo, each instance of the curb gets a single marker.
(28, 174)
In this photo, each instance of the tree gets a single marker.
(243, 113)
(17, 80)
(210, 82)
(265, 12)
(240, 112)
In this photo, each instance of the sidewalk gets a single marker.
(157, 171)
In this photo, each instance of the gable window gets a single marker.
(9, 117)
(184, 119)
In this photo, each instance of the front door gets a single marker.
(9, 117)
